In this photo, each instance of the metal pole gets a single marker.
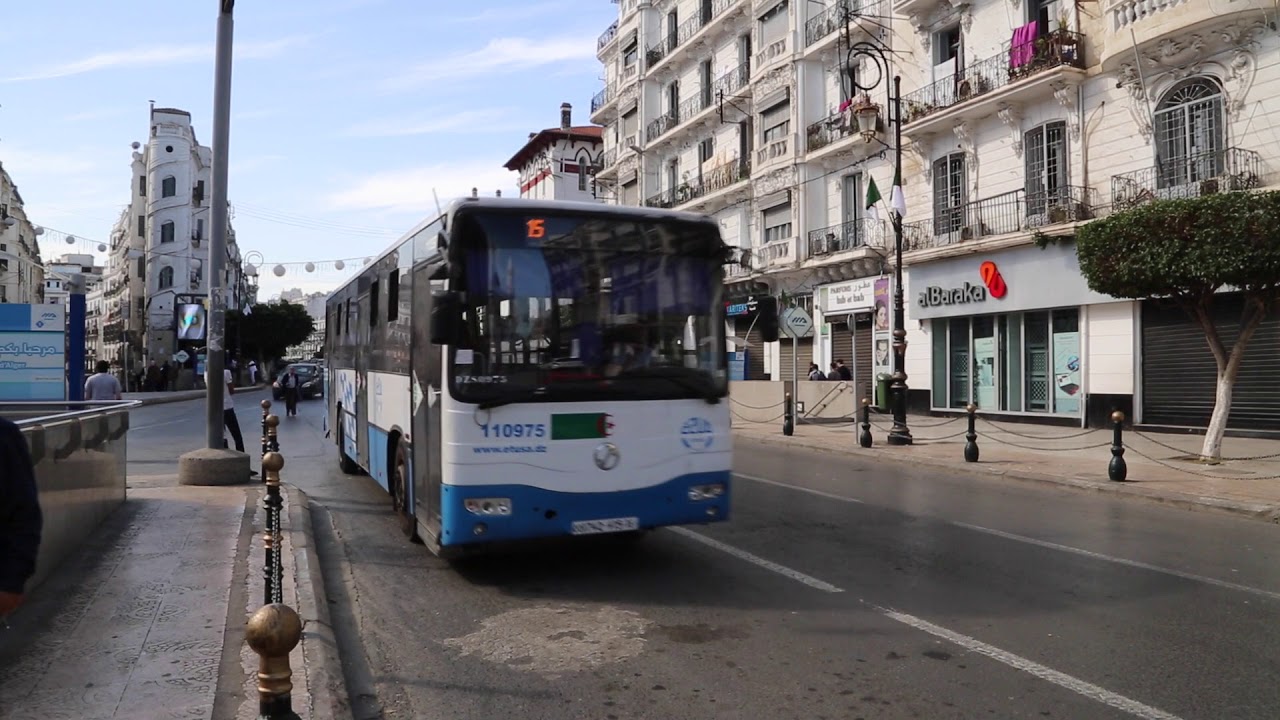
(899, 434)
(75, 331)
(215, 361)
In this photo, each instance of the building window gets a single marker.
(949, 194)
(777, 223)
(1020, 362)
(631, 54)
(775, 123)
(142, 226)
(142, 186)
(630, 126)
(142, 268)
(947, 48)
(198, 194)
(166, 278)
(1190, 136)
(773, 24)
(1045, 155)
(199, 229)
(630, 194)
(166, 232)
(168, 187)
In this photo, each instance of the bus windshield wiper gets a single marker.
(684, 377)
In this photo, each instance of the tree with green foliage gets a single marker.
(1187, 251)
(268, 330)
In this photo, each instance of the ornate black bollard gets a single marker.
(864, 437)
(1117, 470)
(273, 632)
(266, 411)
(971, 436)
(273, 570)
(273, 433)
(788, 417)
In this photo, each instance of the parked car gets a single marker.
(310, 376)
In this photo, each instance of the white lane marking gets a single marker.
(1017, 662)
(819, 493)
(1121, 561)
(757, 560)
(1048, 545)
(1074, 684)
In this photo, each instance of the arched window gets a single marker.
(1191, 138)
(166, 278)
(168, 187)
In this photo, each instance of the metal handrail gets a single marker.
(99, 406)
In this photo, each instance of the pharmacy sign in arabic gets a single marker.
(32, 352)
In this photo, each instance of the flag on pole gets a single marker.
(873, 199)
(896, 198)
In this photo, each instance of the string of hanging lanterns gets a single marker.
(254, 261)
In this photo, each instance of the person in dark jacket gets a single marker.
(20, 518)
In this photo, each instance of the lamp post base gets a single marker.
(899, 435)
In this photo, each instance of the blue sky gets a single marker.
(345, 113)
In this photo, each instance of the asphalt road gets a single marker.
(839, 589)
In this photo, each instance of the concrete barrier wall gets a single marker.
(80, 470)
(761, 401)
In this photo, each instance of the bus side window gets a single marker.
(374, 291)
(393, 295)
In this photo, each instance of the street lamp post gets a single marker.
(867, 114)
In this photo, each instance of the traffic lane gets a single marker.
(1185, 647)
(159, 434)
(1213, 545)
(596, 628)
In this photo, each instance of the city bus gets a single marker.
(517, 369)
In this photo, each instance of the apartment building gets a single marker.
(21, 269)
(1021, 120)
(159, 245)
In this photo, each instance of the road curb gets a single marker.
(329, 700)
(184, 395)
(1256, 511)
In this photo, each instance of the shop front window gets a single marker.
(1019, 362)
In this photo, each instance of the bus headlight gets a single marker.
(706, 492)
(488, 506)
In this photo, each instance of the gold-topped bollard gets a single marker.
(971, 436)
(266, 411)
(864, 437)
(273, 568)
(273, 632)
(273, 433)
(1117, 469)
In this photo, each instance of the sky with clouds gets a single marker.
(346, 114)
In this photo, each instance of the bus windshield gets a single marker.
(588, 307)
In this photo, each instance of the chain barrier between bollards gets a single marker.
(864, 436)
(273, 632)
(788, 417)
(1117, 469)
(971, 436)
(273, 570)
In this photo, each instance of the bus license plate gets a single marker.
(611, 525)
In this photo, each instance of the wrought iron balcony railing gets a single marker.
(607, 36)
(603, 97)
(1016, 62)
(834, 17)
(833, 128)
(1009, 212)
(685, 31)
(728, 83)
(1226, 170)
(849, 235)
(716, 179)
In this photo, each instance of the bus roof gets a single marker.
(538, 206)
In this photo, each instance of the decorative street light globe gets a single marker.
(338, 265)
(278, 271)
(310, 267)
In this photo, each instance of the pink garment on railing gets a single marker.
(1022, 48)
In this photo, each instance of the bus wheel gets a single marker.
(345, 464)
(400, 495)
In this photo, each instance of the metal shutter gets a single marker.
(1179, 375)
(804, 355)
(863, 369)
(841, 345)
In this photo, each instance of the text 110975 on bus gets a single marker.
(516, 369)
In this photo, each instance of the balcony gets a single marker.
(1229, 170)
(825, 25)
(685, 32)
(717, 179)
(694, 106)
(829, 130)
(1014, 76)
(772, 52)
(778, 253)
(606, 95)
(849, 235)
(609, 35)
(1012, 212)
(1151, 21)
(774, 151)
(609, 158)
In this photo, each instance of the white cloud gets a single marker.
(156, 55)
(499, 54)
(427, 123)
(409, 190)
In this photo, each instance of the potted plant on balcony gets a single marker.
(1063, 43)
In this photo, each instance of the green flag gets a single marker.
(873, 199)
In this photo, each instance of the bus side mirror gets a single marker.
(446, 318)
(767, 318)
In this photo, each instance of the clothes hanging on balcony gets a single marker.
(1022, 47)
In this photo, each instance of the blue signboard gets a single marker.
(737, 365)
(32, 352)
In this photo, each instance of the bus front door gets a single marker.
(426, 378)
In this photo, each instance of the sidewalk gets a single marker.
(1162, 467)
(172, 396)
(137, 623)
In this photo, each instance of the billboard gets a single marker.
(32, 352)
(191, 321)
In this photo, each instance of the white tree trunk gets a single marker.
(1212, 450)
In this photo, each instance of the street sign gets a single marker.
(796, 323)
(182, 356)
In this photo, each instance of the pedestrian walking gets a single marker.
(844, 373)
(289, 383)
(102, 385)
(253, 372)
(815, 373)
(20, 519)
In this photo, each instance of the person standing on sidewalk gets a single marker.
(20, 519)
(229, 418)
(289, 384)
(102, 385)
